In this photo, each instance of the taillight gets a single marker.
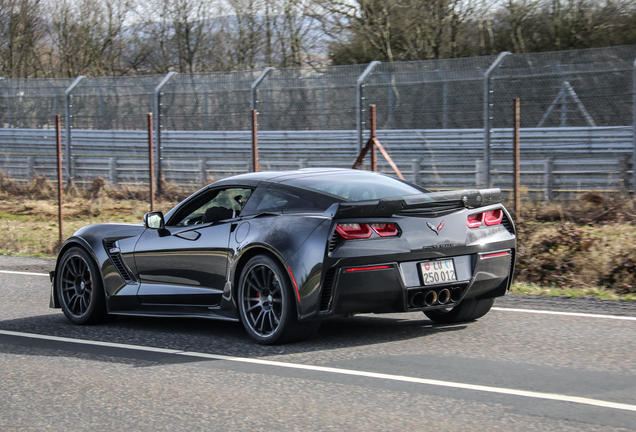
(493, 217)
(352, 231)
(474, 220)
(385, 230)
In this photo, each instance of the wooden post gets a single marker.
(58, 134)
(517, 156)
(254, 142)
(151, 163)
(374, 155)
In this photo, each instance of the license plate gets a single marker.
(437, 272)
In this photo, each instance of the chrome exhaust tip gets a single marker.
(430, 298)
(456, 294)
(444, 296)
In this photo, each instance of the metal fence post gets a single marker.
(67, 127)
(254, 87)
(488, 112)
(634, 130)
(548, 179)
(156, 111)
(359, 97)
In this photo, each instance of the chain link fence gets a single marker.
(446, 123)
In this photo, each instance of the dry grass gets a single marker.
(587, 247)
(29, 214)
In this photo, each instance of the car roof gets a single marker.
(278, 176)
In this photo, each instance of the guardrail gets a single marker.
(555, 161)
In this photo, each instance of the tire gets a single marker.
(267, 304)
(79, 288)
(467, 310)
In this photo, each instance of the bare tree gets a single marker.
(20, 35)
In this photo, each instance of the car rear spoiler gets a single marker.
(385, 207)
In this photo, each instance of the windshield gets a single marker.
(357, 186)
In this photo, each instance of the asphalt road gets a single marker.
(511, 370)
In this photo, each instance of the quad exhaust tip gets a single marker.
(456, 294)
(421, 299)
(444, 296)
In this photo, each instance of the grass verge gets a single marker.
(584, 248)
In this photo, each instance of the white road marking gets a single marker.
(24, 273)
(350, 372)
(576, 314)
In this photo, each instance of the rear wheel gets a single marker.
(79, 288)
(267, 304)
(467, 310)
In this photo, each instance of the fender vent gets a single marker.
(507, 223)
(335, 241)
(118, 261)
(327, 290)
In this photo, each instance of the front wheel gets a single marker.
(467, 310)
(267, 304)
(79, 288)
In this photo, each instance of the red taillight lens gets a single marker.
(352, 231)
(385, 230)
(474, 220)
(493, 217)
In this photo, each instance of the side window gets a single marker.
(219, 205)
(269, 200)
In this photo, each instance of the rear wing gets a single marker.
(386, 207)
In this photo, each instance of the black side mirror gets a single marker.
(154, 220)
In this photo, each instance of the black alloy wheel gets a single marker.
(468, 310)
(79, 288)
(267, 304)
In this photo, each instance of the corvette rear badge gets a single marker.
(435, 230)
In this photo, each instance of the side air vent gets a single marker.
(335, 241)
(327, 290)
(118, 262)
(507, 223)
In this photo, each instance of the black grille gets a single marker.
(335, 241)
(508, 224)
(118, 262)
(327, 290)
(436, 210)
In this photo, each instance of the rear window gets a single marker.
(357, 186)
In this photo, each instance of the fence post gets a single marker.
(416, 167)
(374, 153)
(156, 111)
(634, 130)
(623, 167)
(488, 113)
(151, 164)
(548, 178)
(517, 171)
(254, 87)
(479, 173)
(254, 141)
(67, 126)
(30, 160)
(359, 100)
(203, 171)
(112, 171)
(58, 141)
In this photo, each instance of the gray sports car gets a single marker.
(282, 251)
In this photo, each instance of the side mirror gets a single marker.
(154, 220)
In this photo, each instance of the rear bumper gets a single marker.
(398, 286)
